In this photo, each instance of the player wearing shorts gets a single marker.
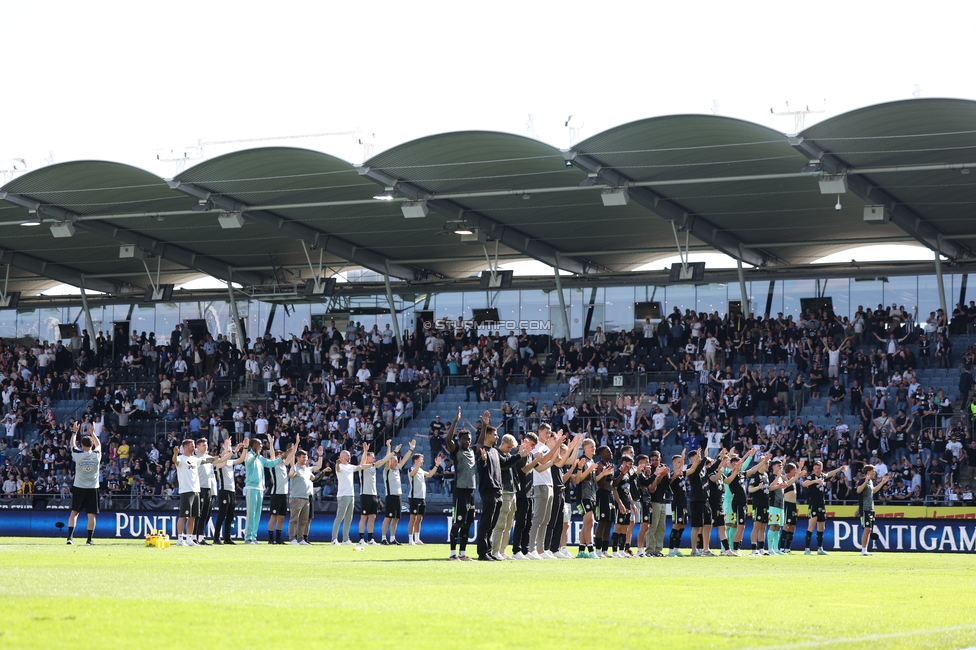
(84, 491)
(759, 489)
(369, 501)
(789, 497)
(584, 477)
(417, 504)
(394, 494)
(716, 496)
(604, 501)
(208, 487)
(188, 477)
(866, 494)
(816, 486)
(679, 504)
(701, 515)
(736, 482)
(777, 504)
(226, 493)
(558, 522)
(643, 480)
(636, 512)
(625, 505)
(279, 495)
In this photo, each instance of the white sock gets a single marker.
(462, 554)
(182, 538)
(453, 553)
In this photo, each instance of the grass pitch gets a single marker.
(122, 595)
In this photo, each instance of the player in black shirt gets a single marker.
(701, 515)
(816, 486)
(735, 481)
(716, 498)
(679, 504)
(624, 502)
(759, 489)
(604, 500)
(643, 481)
(635, 497)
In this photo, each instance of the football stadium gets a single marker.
(679, 374)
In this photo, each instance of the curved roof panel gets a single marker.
(471, 161)
(692, 146)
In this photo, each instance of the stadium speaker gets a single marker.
(414, 209)
(616, 196)
(63, 229)
(231, 220)
(129, 251)
(322, 287)
(833, 184)
(67, 330)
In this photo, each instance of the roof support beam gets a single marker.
(58, 272)
(508, 236)
(170, 252)
(902, 215)
(313, 237)
(663, 207)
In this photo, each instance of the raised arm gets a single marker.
(449, 435)
(408, 455)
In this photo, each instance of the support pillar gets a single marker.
(562, 301)
(238, 330)
(938, 278)
(92, 336)
(742, 289)
(393, 311)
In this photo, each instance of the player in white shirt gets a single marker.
(368, 496)
(208, 488)
(394, 493)
(188, 477)
(346, 494)
(226, 492)
(418, 495)
(279, 494)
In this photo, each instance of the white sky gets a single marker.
(119, 80)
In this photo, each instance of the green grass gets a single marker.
(122, 595)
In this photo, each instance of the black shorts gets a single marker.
(369, 505)
(463, 505)
(718, 516)
(760, 515)
(701, 514)
(392, 506)
(818, 512)
(867, 519)
(279, 504)
(738, 515)
(679, 515)
(418, 507)
(189, 504)
(604, 508)
(646, 512)
(84, 500)
(586, 505)
(790, 517)
(623, 517)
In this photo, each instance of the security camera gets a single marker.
(837, 207)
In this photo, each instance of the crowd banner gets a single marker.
(898, 532)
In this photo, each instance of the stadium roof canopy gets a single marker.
(707, 182)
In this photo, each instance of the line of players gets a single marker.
(704, 492)
(522, 489)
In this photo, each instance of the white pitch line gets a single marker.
(872, 637)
